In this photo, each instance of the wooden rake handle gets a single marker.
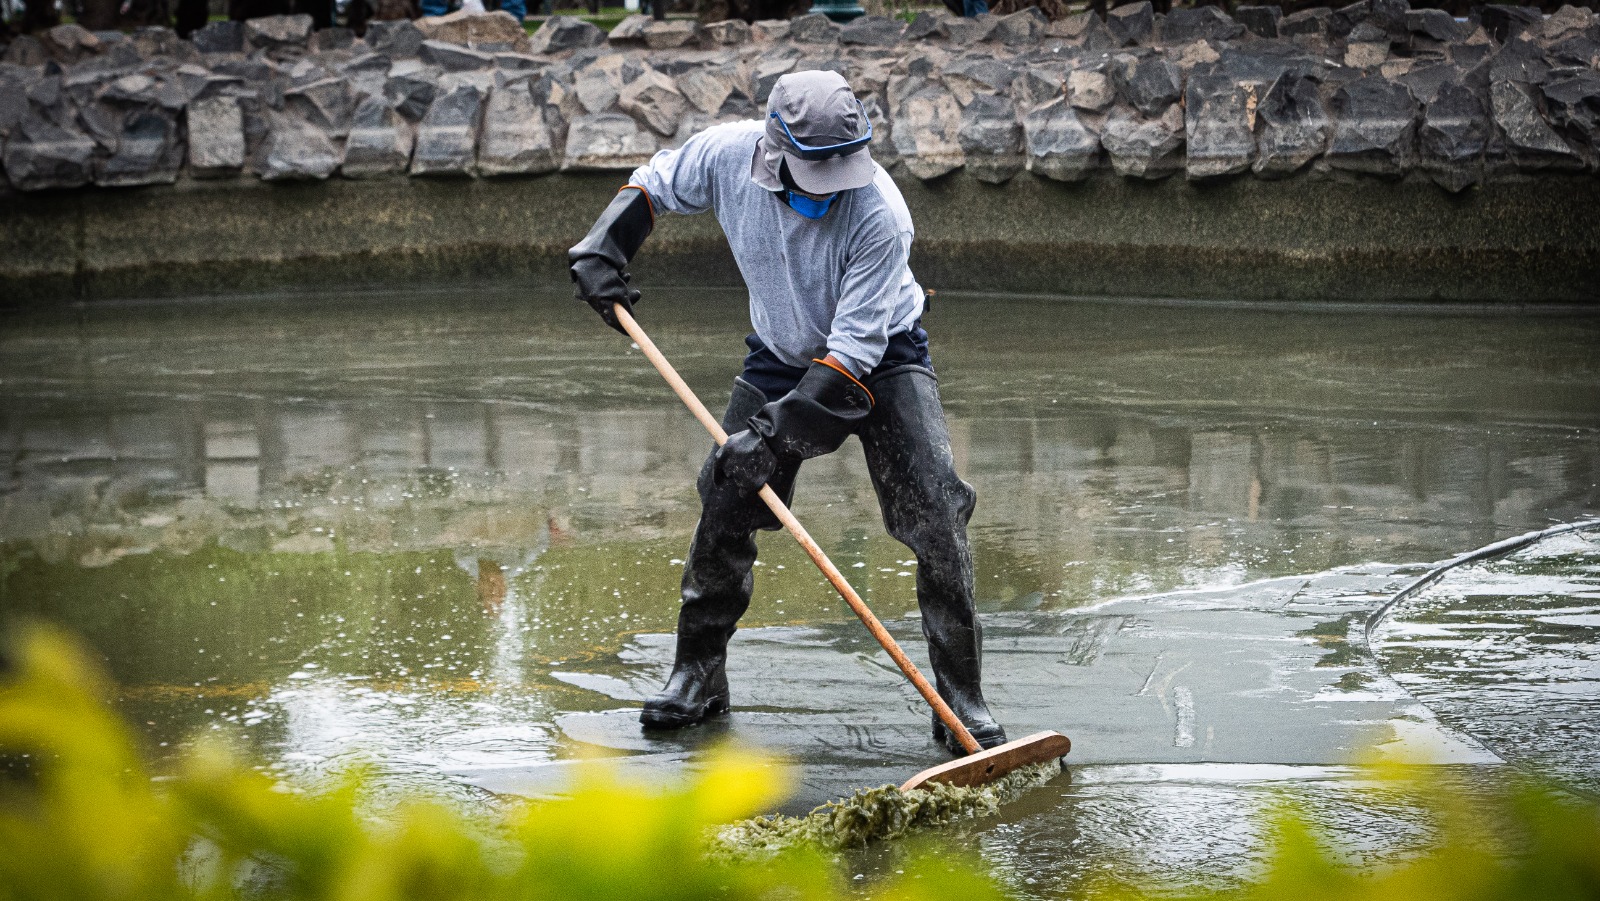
(945, 714)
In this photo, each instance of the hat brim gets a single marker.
(829, 176)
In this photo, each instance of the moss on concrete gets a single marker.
(1310, 238)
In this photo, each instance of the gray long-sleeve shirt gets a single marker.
(839, 284)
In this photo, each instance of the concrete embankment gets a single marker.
(1368, 153)
(1302, 239)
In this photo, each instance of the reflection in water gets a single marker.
(1116, 450)
(346, 525)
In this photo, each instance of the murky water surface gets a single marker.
(444, 532)
(1509, 651)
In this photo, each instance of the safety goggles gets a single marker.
(808, 152)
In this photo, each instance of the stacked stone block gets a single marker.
(1374, 89)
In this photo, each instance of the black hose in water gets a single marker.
(1498, 549)
(1487, 552)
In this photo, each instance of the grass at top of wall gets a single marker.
(608, 18)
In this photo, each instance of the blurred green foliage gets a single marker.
(82, 818)
(1530, 843)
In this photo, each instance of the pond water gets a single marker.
(444, 532)
(1509, 651)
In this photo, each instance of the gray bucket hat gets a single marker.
(814, 123)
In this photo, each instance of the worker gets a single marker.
(822, 236)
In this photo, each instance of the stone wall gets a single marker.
(1339, 116)
(1374, 89)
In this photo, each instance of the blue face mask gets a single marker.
(805, 206)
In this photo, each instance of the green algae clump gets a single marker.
(876, 814)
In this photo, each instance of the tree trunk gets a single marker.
(37, 15)
(98, 15)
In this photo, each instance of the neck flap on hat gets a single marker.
(764, 166)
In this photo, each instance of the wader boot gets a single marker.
(926, 506)
(717, 582)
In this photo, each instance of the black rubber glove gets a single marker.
(603, 286)
(746, 461)
(599, 262)
(812, 420)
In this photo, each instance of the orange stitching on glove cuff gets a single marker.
(846, 373)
